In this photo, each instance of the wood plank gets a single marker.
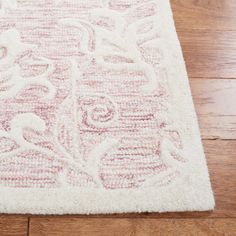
(214, 101)
(11, 225)
(138, 227)
(207, 31)
(202, 14)
(209, 53)
(222, 168)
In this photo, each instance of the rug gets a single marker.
(96, 114)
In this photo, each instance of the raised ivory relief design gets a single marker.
(89, 104)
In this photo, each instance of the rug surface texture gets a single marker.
(96, 114)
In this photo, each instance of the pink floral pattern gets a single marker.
(84, 99)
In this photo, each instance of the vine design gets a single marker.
(99, 116)
(116, 49)
(114, 43)
(119, 49)
(11, 82)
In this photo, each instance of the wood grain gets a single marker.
(222, 168)
(205, 14)
(13, 225)
(207, 32)
(215, 103)
(136, 227)
(209, 54)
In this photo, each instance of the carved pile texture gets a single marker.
(84, 97)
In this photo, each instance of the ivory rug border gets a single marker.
(191, 192)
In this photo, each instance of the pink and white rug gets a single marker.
(96, 114)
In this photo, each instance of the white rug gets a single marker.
(96, 114)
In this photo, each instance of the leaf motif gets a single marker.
(167, 150)
(10, 40)
(116, 19)
(79, 178)
(87, 43)
(94, 158)
(65, 127)
(11, 81)
(7, 145)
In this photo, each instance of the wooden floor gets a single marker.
(207, 31)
